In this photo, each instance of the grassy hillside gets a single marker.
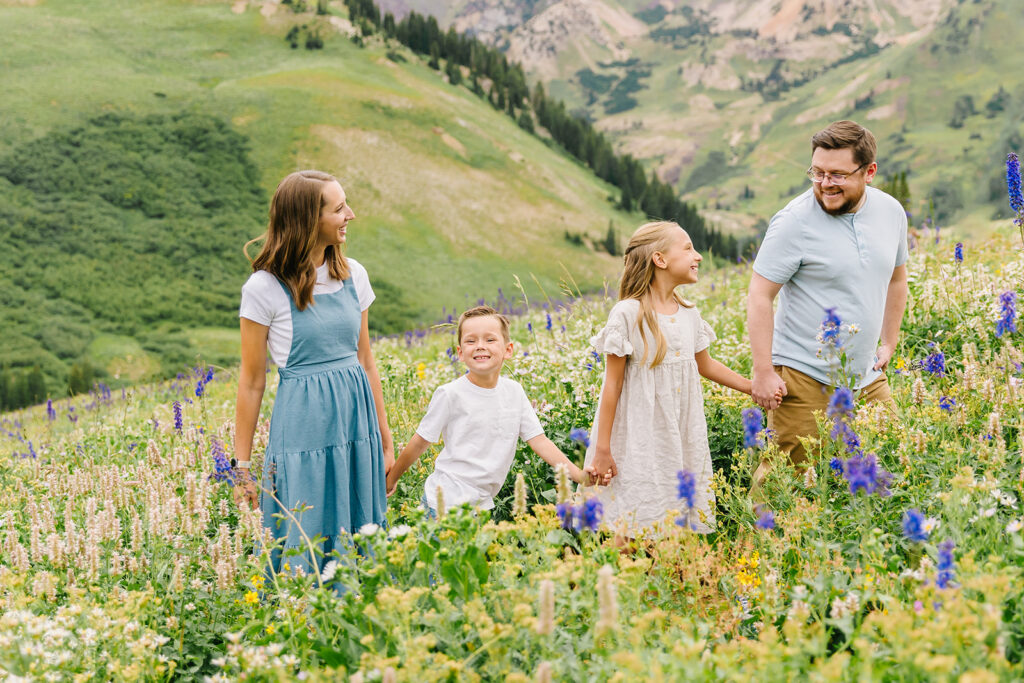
(453, 200)
(722, 97)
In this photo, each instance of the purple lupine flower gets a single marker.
(841, 404)
(947, 403)
(51, 414)
(842, 431)
(591, 514)
(1007, 313)
(836, 464)
(221, 465)
(765, 518)
(752, 418)
(863, 473)
(958, 252)
(935, 363)
(580, 435)
(687, 488)
(548, 324)
(830, 328)
(913, 526)
(178, 424)
(1013, 184)
(945, 565)
(566, 515)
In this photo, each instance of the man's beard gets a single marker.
(845, 207)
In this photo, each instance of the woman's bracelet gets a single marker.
(240, 464)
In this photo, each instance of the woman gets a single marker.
(330, 447)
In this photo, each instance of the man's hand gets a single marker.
(768, 389)
(884, 355)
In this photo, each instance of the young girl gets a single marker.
(330, 446)
(650, 420)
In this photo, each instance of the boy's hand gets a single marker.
(590, 476)
(392, 482)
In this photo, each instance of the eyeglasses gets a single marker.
(817, 176)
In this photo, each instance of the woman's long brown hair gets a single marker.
(638, 275)
(292, 233)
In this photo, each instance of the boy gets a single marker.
(481, 415)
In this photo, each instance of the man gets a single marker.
(840, 245)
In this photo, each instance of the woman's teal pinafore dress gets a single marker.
(324, 461)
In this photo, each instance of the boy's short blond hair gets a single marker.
(480, 312)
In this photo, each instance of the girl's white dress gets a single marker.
(659, 426)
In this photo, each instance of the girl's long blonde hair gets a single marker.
(638, 274)
(292, 233)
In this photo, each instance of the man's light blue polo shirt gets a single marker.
(843, 262)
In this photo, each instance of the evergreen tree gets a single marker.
(454, 72)
(36, 386)
(5, 390)
(525, 121)
(611, 241)
(435, 56)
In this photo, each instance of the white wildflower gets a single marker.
(368, 529)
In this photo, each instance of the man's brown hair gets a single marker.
(480, 312)
(847, 134)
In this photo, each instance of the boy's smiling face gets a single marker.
(483, 347)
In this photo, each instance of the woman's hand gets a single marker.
(389, 456)
(245, 491)
(604, 464)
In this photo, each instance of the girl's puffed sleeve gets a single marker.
(614, 336)
(705, 335)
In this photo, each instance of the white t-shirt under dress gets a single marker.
(659, 426)
(265, 301)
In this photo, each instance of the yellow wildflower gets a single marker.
(421, 370)
(270, 629)
(251, 598)
(257, 581)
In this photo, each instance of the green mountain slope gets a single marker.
(721, 96)
(453, 199)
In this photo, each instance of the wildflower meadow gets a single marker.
(896, 554)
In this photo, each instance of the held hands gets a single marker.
(768, 389)
(603, 466)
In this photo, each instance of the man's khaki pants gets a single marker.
(795, 417)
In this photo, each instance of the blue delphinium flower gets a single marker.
(752, 418)
(945, 564)
(548, 324)
(947, 403)
(221, 465)
(958, 252)
(843, 432)
(836, 464)
(863, 473)
(1007, 314)
(765, 518)
(591, 514)
(580, 435)
(51, 414)
(177, 417)
(935, 363)
(1013, 184)
(841, 403)
(688, 488)
(913, 526)
(830, 328)
(566, 513)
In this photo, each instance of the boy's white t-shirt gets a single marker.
(264, 301)
(480, 429)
